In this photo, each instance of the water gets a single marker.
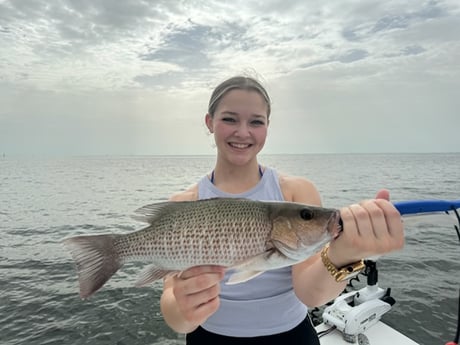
(44, 200)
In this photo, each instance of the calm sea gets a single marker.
(44, 200)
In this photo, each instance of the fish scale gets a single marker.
(199, 238)
(251, 236)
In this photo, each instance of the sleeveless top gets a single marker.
(265, 304)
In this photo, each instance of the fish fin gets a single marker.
(150, 274)
(255, 266)
(268, 260)
(96, 260)
(242, 276)
(150, 213)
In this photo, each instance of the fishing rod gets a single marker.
(414, 207)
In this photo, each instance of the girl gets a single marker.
(271, 308)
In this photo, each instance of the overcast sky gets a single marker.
(134, 77)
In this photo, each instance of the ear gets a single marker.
(209, 122)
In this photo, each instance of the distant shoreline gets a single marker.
(5, 155)
(185, 156)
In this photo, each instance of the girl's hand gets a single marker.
(196, 291)
(370, 228)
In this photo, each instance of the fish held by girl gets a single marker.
(247, 236)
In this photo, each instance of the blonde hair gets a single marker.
(239, 83)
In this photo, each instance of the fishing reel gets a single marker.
(354, 312)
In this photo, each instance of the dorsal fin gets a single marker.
(149, 213)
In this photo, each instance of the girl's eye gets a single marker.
(228, 119)
(257, 123)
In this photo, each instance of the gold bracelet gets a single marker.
(344, 273)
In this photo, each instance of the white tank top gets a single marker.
(263, 305)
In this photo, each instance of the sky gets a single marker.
(107, 77)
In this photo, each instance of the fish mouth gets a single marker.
(334, 225)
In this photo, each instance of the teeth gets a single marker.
(239, 146)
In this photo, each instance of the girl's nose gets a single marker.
(242, 130)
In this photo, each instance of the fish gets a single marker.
(241, 234)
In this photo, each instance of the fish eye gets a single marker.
(306, 214)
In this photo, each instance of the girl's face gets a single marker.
(239, 125)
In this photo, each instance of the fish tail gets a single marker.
(96, 259)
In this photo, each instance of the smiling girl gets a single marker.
(271, 308)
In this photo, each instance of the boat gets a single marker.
(355, 317)
(378, 334)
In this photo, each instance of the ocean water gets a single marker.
(43, 200)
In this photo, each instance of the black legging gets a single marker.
(304, 333)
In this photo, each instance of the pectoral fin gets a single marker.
(255, 266)
(242, 276)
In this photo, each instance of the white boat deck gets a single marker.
(379, 334)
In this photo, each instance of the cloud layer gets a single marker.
(115, 77)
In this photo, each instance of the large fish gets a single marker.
(248, 236)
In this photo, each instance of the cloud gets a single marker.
(398, 16)
(353, 55)
(413, 50)
(97, 68)
(190, 45)
(85, 40)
